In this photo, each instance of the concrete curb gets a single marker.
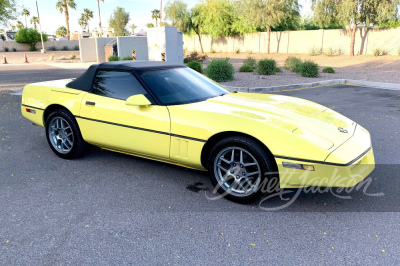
(378, 85)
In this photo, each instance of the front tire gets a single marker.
(63, 135)
(239, 168)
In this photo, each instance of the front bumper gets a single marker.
(346, 166)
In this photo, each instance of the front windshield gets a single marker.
(180, 85)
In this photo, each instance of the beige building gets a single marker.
(103, 32)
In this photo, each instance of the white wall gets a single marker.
(137, 43)
(25, 47)
(165, 40)
(100, 52)
(88, 50)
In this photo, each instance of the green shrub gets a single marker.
(238, 51)
(14, 49)
(309, 69)
(186, 60)
(6, 49)
(250, 62)
(246, 68)
(72, 56)
(328, 70)
(220, 70)
(114, 57)
(53, 48)
(278, 70)
(126, 58)
(29, 36)
(297, 68)
(76, 47)
(31, 48)
(291, 62)
(330, 52)
(266, 67)
(377, 52)
(315, 51)
(65, 48)
(196, 66)
(213, 51)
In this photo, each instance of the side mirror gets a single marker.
(138, 100)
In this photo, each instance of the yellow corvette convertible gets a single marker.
(171, 113)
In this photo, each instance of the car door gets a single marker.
(106, 121)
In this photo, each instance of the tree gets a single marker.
(353, 13)
(8, 11)
(98, 5)
(63, 5)
(34, 21)
(194, 22)
(20, 25)
(176, 12)
(26, 13)
(150, 25)
(155, 14)
(118, 21)
(82, 22)
(263, 13)
(133, 27)
(88, 14)
(29, 36)
(61, 31)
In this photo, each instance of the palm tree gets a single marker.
(20, 25)
(155, 14)
(133, 27)
(88, 14)
(63, 5)
(82, 22)
(150, 25)
(98, 5)
(61, 31)
(25, 12)
(34, 21)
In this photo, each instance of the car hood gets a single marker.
(314, 122)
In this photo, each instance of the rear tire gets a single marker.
(239, 167)
(64, 136)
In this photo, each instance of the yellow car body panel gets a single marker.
(294, 130)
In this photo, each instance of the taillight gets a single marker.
(30, 111)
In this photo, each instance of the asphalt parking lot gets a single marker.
(113, 209)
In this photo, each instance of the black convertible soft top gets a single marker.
(84, 81)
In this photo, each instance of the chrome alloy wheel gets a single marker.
(237, 171)
(61, 135)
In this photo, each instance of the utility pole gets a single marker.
(160, 12)
(40, 28)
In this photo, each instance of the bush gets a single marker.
(309, 69)
(114, 57)
(328, 70)
(291, 62)
(238, 51)
(6, 49)
(278, 70)
(126, 58)
(14, 49)
(377, 52)
(246, 68)
(52, 56)
(315, 51)
(72, 56)
(29, 36)
(53, 48)
(194, 56)
(65, 48)
(213, 51)
(250, 62)
(196, 66)
(32, 48)
(76, 47)
(266, 67)
(220, 70)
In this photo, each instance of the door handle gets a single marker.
(91, 103)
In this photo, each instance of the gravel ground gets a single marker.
(38, 57)
(380, 69)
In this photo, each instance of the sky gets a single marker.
(139, 10)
